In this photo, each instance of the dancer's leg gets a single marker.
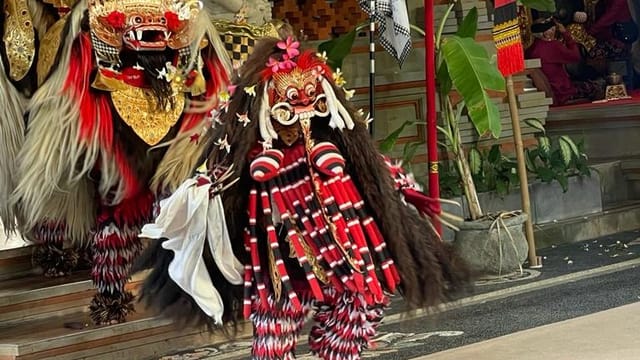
(275, 330)
(345, 325)
(115, 246)
(50, 253)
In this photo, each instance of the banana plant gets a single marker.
(464, 64)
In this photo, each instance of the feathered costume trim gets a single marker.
(42, 18)
(181, 159)
(11, 139)
(71, 135)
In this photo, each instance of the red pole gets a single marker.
(430, 74)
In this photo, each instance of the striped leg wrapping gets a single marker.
(276, 328)
(345, 325)
(114, 251)
(115, 246)
(50, 253)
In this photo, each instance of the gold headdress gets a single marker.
(144, 24)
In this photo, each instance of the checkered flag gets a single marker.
(393, 24)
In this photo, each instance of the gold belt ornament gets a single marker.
(137, 107)
(19, 38)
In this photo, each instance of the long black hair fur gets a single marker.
(429, 269)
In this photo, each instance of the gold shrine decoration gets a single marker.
(19, 38)
(137, 107)
(239, 38)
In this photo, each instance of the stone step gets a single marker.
(15, 262)
(35, 297)
(617, 218)
(72, 336)
(630, 168)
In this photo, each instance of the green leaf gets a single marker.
(443, 78)
(390, 141)
(514, 178)
(572, 145)
(541, 5)
(530, 160)
(475, 161)
(338, 48)
(566, 152)
(544, 143)
(546, 174)
(469, 25)
(564, 182)
(502, 187)
(472, 73)
(409, 151)
(536, 124)
(447, 134)
(494, 154)
(444, 145)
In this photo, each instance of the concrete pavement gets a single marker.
(606, 335)
(560, 291)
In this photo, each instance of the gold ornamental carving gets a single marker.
(19, 38)
(616, 92)
(138, 108)
(239, 38)
(49, 49)
(581, 36)
(61, 4)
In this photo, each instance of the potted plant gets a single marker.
(464, 64)
(492, 244)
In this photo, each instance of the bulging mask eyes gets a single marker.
(310, 90)
(292, 94)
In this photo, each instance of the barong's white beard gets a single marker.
(12, 104)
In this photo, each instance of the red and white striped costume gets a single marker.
(315, 220)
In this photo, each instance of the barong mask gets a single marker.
(147, 43)
(296, 91)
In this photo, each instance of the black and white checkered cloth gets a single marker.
(105, 52)
(393, 25)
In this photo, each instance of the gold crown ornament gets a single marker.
(144, 25)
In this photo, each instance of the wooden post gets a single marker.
(522, 171)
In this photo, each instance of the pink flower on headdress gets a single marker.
(273, 64)
(287, 63)
(290, 46)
